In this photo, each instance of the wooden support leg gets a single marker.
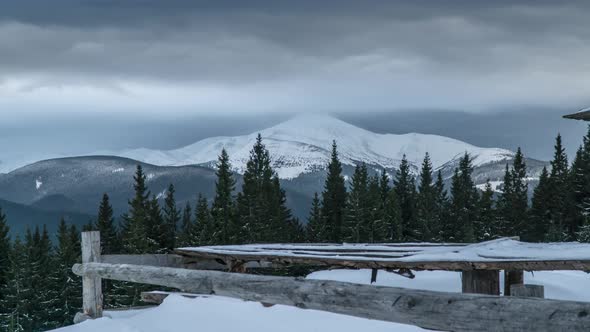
(512, 277)
(91, 286)
(481, 282)
(528, 291)
(374, 275)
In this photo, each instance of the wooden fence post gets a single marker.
(512, 277)
(91, 285)
(481, 282)
(528, 291)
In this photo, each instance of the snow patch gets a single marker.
(38, 183)
(118, 170)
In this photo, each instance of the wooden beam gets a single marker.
(581, 115)
(512, 277)
(364, 263)
(91, 284)
(528, 291)
(178, 261)
(374, 275)
(481, 282)
(426, 309)
(158, 297)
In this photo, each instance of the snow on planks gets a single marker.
(500, 254)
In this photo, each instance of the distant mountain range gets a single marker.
(300, 150)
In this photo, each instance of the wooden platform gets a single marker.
(500, 254)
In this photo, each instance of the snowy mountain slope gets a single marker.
(303, 144)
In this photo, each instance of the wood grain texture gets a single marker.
(427, 309)
(91, 285)
(527, 291)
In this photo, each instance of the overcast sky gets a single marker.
(172, 59)
(243, 56)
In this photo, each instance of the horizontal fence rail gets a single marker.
(426, 309)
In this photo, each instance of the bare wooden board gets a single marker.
(426, 309)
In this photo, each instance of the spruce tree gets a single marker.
(541, 224)
(68, 285)
(578, 184)
(426, 212)
(377, 225)
(105, 224)
(463, 206)
(18, 294)
(393, 218)
(156, 228)
(442, 205)
(315, 223)
(135, 223)
(184, 237)
(4, 252)
(171, 219)
(254, 201)
(203, 231)
(334, 198)
(486, 218)
(404, 187)
(513, 204)
(356, 219)
(224, 228)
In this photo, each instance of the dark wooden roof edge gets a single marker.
(581, 115)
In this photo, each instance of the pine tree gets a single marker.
(203, 231)
(156, 228)
(404, 187)
(486, 218)
(559, 187)
(284, 227)
(334, 199)
(513, 204)
(135, 224)
(68, 285)
(426, 213)
(315, 223)
(541, 226)
(4, 253)
(356, 219)
(578, 184)
(171, 219)
(105, 224)
(463, 206)
(18, 293)
(442, 206)
(184, 238)
(224, 229)
(377, 226)
(254, 201)
(393, 218)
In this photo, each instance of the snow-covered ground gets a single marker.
(218, 314)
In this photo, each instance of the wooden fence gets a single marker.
(426, 309)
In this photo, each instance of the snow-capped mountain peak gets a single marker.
(303, 145)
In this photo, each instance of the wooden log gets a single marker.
(374, 275)
(363, 263)
(512, 277)
(481, 282)
(158, 297)
(426, 309)
(91, 285)
(528, 291)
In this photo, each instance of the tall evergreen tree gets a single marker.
(486, 218)
(224, 228)
(404, 187)
(442, 204)
(135, 224)
(156, 227)
(426, 211)
(203, 231)
(254, 202)
(377, 224)
(171, 219)
(105, 224)
(4, 253)
(18, 294)
(541, 226)
(184, 237)
(463, 206)
(315, 224)
(513, 203)
(334, 198)
(356, 219)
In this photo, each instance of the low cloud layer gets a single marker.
(225, 56)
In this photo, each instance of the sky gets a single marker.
(77, 68)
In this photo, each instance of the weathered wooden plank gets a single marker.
(546, 265)
(178, 261)
(528, 291)
(427, 309)
(91, 285)
(481, 282)
(512, 277)
(158, 297)
(374, 275)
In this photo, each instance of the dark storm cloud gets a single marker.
(271, 55)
